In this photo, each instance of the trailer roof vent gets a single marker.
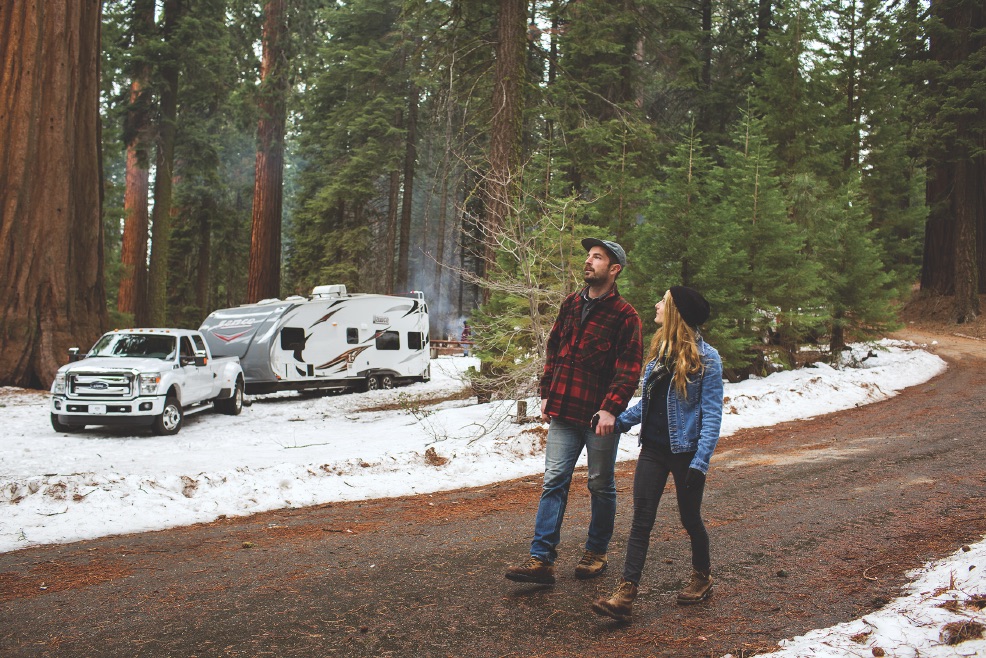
(335, 290)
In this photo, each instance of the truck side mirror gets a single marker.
(73, 355)
(201, 360)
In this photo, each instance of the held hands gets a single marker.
(695, 478)
(604, 422)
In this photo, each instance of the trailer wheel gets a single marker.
(59, 426)
(233, 405)
(169, 422)
(372, 383)
(386, 381)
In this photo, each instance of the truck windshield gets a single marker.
(143, 345)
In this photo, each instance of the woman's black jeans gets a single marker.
(653, 467)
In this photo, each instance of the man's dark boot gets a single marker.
(698, 589)
(620, 605)
(532, 571)
(591, 565)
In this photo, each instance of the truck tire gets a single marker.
(233, 405)
(59, 426)
(170, 420)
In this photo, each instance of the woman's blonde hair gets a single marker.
(675, 344)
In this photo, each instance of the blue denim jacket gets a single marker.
(693, 423)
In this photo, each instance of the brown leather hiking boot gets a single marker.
(698, 588)
(620, 605)
(532, 571)
(591, 565)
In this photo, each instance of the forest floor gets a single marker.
(813, 523)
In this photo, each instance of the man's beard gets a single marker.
(593, 278)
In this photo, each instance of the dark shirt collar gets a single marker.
(607, 295)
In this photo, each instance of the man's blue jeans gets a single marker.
(565, 444)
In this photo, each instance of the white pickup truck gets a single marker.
(144, 377)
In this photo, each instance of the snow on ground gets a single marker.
(290, 450)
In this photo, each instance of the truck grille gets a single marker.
(108, 386)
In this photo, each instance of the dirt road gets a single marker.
(812, 523)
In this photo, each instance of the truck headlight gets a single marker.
(149, 382)
(58, 387)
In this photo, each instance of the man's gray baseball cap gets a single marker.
(615, 250)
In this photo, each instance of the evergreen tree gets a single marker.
(349, 142)
(780, 282)
(685, 240)
(858, 292)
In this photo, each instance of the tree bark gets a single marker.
(157, 275)
(502, 186)
(132, 296)
(393, 197)
(410, 158)
(955, 234)
(51, 242)
(264, 278)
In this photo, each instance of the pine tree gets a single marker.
(685, 240)
(780, 282)
(858, 292)
(349, 143)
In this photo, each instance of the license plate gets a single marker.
(97, 408)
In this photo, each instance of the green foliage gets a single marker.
(780, 283)
(685, 240)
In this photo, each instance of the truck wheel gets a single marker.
(233, 405)
(169, 422)
(59, 426)
(386, 381)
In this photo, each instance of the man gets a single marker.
(592, 366)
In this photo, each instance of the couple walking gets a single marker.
(592, 367)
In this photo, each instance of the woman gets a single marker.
(679, 413)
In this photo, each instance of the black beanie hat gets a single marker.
(692, 307)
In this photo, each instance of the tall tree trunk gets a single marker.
(764, 18)
(966, 267)
(410, 157)
(264, 279)
(393, 198)
(51, 242)
(706, 117)
(203, 271)
(502, 184)
(955, 245)
(132, 296)
(157, 276)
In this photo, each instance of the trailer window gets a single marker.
(352, 335)
(389, 340)
(415, 340)
(292, 338)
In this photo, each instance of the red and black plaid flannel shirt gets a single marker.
(592, 365)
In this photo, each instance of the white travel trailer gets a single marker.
(331, 340)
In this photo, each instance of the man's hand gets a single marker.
(544, 405)
(606, 424)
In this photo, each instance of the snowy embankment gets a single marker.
(292, 451)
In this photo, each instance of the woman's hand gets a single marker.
(695, 478)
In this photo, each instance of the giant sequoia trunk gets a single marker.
(132, 297)
(51, 246)
(264, 279)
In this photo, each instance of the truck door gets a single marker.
(198, 380)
